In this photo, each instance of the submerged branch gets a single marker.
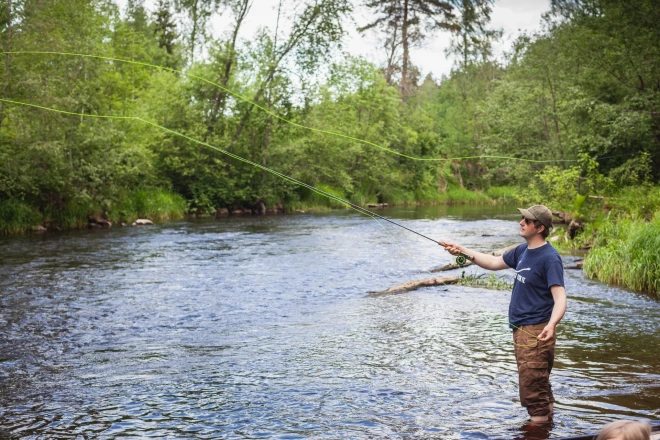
(414, 285)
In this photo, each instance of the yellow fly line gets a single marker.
(348, 204)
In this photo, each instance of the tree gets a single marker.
(197, 13)
(472, 41)
(226, 58)
(317, 30)
(416, 19)
(165, 28)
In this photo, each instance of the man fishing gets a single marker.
(538, 303)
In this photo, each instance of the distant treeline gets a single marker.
(584, 94)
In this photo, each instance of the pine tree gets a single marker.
(415, 19)
(165, 28)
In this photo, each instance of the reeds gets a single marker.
(626, 253)
(17, 217)
(149, 203)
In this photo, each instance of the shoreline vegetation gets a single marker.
(18, 217)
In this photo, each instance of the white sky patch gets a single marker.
(515, 17)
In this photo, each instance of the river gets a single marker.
(263, 327)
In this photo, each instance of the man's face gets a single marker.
(527, 228)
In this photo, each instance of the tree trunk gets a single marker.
(457, 169)
(404, 40)
(221, 95)
(193, 32)
(556, 117)
(7, 48)
(392, 53)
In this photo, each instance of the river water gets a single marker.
(264, 328)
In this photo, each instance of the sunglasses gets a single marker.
(527, 221)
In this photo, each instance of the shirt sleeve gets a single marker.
(511, 258)
(554, 271)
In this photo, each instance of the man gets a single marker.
(538, 302)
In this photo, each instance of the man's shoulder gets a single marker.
(522, 247)
(551, 253)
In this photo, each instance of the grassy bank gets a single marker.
(625, 252)
(623, 234)
(19, 217)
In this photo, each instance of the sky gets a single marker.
(512, 16)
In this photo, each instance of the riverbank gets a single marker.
(18, 217)
(620, 250)
(621, 238)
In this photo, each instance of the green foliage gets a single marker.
(71, 215)
(464, 196)
(554, 186)
(486, 281)
(505, 194)
(17, 217)
(312, 198)
(626, 252)
(151, 203)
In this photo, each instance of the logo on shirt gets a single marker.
(519, 277)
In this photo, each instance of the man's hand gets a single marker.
(547, 333)
(452, 248)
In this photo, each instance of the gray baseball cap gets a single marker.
(540, 213)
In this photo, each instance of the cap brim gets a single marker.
(525, 213)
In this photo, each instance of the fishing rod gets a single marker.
(290, 179)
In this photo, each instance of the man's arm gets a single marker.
(559, 295)
(486, 261)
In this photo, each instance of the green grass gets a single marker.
(486, 281)
(505, 194)
(17, 217)
(626, 252)
(72, 216)
(150, 203)
(398, 196)
(637, 201)
(465, 196)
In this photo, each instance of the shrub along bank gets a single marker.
(623, 234)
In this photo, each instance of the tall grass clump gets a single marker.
(640, 200)
(504, 194)
(311, 200)
(151, 203)
(399, 196)
(466, 197)
(17, 217)
(626, 252)
(73, 215)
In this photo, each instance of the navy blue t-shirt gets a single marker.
(536, 271)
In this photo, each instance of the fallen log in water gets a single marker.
(579, 264)
(414, 285)
(451, 266)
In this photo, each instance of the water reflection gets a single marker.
(261, 327)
